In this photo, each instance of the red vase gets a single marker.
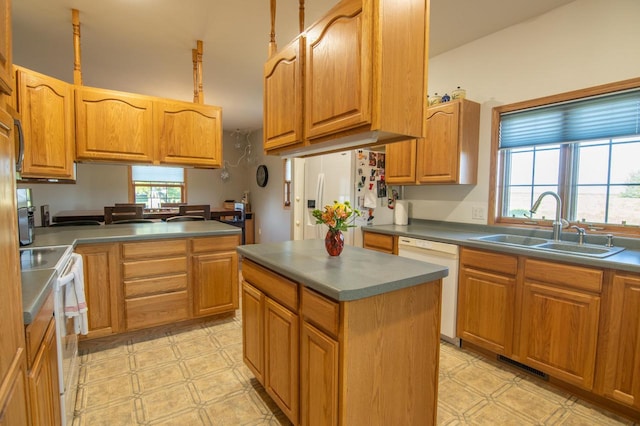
(334, 242)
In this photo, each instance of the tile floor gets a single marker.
(194, 375)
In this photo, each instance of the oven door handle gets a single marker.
(65, 279)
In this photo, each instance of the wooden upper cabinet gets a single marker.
(338, 70)
(400, 162)
(5, 46)
(283, 93)
(356, 79)
(114, 126)
(46, 111)
(449, 151)
(621, 364)
(188, 133)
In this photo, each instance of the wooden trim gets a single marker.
(496, 168)
(77, 53)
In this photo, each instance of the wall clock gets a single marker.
(262, 176)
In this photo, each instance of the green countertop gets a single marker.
(460, 234)
(356, 274)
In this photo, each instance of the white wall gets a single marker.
(98, 185)
(583, 44)
(272, 220)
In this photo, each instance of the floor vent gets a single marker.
(523, 367)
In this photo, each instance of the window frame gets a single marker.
(497, 164)
(132, 190)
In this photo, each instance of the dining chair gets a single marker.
(203, 210)
(168, 205)
(121, 212)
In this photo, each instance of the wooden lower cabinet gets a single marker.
(486, 298)
(380, 242)
(102, 288)
(139, 284)
(155, 282)
(253, 330)
(281, 357)
(318, 377)
(14, 404)
(541, 313)
(318, 354)
(621, 361)
(44, 390)
(559, 320)
(214, 270)
(270, 336)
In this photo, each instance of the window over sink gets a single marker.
(583, 145)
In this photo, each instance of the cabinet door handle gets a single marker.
(20, 158)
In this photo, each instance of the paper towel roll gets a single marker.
(401, 213)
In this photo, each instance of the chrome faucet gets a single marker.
(557, 224)
(581, 233)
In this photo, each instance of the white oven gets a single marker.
(67, 330)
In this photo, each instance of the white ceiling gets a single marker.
(144, 46)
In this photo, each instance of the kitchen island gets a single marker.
(346, 340)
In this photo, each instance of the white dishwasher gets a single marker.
(445, 255)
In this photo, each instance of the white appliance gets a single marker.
(445, 255)
(67, 330)
(332, 177)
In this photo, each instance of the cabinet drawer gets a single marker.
(489, 261)
(564, 275)
(149, 286)
(153, 249)
(34, 333)
(201, 245)
(148, 311)
(322, 312)
(275, 286)
(156, 267)
(380, 242)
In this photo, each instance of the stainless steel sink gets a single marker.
(580, 249)
(589, 250)
(512, 239)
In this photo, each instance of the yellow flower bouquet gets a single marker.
(338, 217)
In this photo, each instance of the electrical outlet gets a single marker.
(477, 213)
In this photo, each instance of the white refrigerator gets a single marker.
(355, 176)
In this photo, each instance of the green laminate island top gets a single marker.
(356, 274)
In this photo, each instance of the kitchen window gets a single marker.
(155, 186)
(582, 145)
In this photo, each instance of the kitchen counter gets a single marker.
(36, 284)
(36, 287)
(356, 274)
(73, 235)
(459, 234)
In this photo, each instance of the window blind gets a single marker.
(157, 174)
(605, 116)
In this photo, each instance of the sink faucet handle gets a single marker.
(581, 233)
(609, 240)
